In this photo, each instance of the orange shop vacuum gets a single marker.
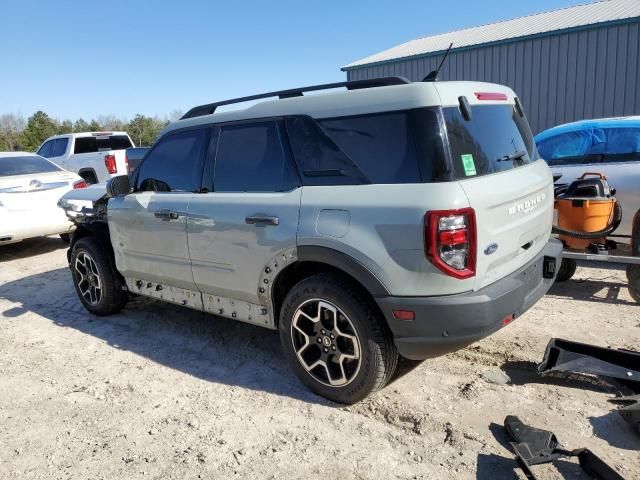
(587, 212)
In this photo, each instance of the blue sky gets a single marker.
(84, 59)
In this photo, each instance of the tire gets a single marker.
(633, 276)
(66, 237)
(566, 270)
(361, 338)
(98, 285)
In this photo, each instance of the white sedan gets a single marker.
(30, 187)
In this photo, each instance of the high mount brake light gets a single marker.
(491, 96)
(110, 163)
(450, 241)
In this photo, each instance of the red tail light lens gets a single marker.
(110, 163)
(491, 96)
(80, 184)
(126, 164)
(450, 241)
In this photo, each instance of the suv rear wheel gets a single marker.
(567, 269)
(633, 276)
(335, 340)
(98, 284)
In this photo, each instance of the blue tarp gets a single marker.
(590, 137)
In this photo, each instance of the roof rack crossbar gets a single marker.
(210, 108)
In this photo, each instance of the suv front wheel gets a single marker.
(98, 284)
(335, 339)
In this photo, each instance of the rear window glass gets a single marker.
(591, 145)
(100, 144)
(25, 165)
(496, 138)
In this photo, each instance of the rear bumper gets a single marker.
(20, 225)
(448, 323)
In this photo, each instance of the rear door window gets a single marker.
(496, 139)
(175, 163)
(252, 158)
(60, 147)
(101, 143)
(46, 150)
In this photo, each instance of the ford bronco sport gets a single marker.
(388, 219)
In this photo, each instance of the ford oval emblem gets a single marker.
(491, 249)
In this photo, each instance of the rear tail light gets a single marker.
(126, 164)
(491, 96)
(80, 184)
(450, 241)
(110, 163)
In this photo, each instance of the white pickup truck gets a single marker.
(95, 156)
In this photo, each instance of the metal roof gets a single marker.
(563, 19)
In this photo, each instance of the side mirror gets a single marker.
(118, 186)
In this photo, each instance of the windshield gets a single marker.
(25, 165)
(496, 138)
(594, 144)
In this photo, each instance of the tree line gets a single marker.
(18, 134)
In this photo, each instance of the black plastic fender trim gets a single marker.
(346, 263)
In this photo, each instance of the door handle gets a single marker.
(261, 219)
(166, 214)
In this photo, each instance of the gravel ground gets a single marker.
(158, 391)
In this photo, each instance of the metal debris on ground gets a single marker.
(534, 446)
(567, 356)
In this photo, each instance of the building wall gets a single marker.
(560, 78)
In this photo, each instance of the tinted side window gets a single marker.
(175, 163)
(46, 150)
(319, 159)
(250, 158)
(60, 146)
(380, 145)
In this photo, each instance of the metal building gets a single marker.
(565, 65)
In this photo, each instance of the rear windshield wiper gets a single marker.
(514, 156)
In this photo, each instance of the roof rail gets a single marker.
(210, 108)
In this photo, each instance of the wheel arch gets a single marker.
(311, 260)
(98, 230)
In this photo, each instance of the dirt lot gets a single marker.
(162, 392)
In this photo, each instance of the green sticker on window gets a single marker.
(468, 164)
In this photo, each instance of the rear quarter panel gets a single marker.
(382, 227)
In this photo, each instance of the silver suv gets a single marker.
(388, 219)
